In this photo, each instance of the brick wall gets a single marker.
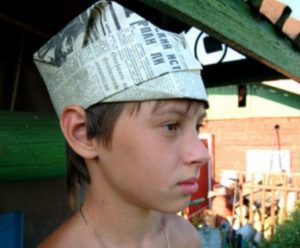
(232, 138)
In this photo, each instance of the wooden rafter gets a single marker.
(235, 24)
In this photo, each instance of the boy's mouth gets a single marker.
(189, 186)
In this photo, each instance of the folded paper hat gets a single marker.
(111, 54)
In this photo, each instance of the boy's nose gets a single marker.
(196, 154)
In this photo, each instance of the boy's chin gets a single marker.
(175, 208)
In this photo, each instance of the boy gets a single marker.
(130, 101)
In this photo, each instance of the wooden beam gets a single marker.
(233, 23)
(238, 72)
(24, 26)
(31, 146)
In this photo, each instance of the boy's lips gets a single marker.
(189, 186)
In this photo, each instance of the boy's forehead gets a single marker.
(180, 107)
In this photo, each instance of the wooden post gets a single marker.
(295, 183)
(273, 205)
(284, 203)
(18, 71)
(241, 200)
(263, 205)
(251, 203)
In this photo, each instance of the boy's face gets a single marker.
(155, 155)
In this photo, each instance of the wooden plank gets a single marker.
(267, 187)
(215, 75)
(31, 146)
(233, 23)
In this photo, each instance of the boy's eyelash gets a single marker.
(199, 125)
(175, 125)
(172, 126)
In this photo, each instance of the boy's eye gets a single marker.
(172, 127)
(198, 126)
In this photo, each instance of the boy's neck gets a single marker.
(119, 221)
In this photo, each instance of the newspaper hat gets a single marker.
(111, 54)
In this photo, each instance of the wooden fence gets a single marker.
(265, 200)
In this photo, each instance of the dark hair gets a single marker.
(101, 120)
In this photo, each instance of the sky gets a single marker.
(295, 6)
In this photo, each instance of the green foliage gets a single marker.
(287, 234)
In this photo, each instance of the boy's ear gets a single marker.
(73, 124)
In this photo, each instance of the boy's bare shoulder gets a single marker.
(181, 232)
(66, 236)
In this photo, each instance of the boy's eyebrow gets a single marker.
(202, 115)
(178, 110)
